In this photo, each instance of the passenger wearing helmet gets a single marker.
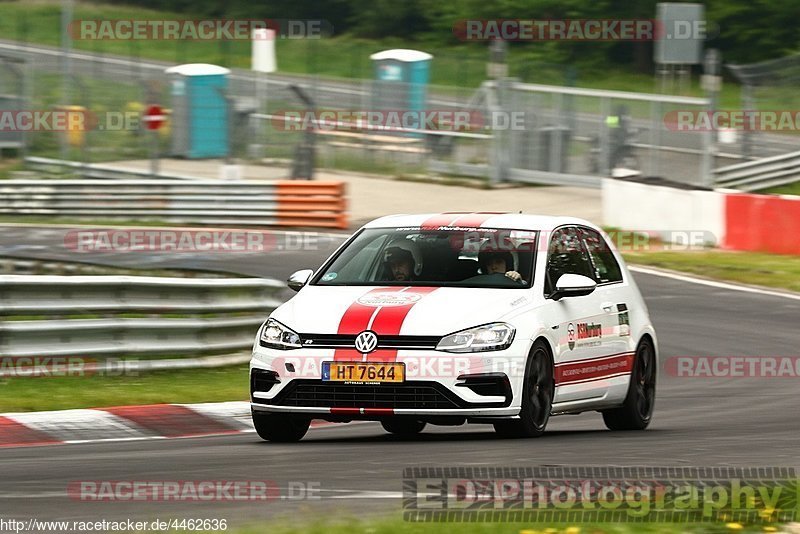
(493, 261)
(402, 260)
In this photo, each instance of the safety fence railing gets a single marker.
(222, 202)
(761, 173)
(170, 322)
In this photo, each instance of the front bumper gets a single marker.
(436, 384)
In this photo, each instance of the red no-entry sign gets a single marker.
(153, 117)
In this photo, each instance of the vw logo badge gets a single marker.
(366, 342)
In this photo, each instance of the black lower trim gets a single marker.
(488, 385)
(262, 380)
(407, 395)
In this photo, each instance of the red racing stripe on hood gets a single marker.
(383, 311)
(474, 220)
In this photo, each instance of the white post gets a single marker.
(263, 62)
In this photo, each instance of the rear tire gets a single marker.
(537, 397)
(637, 410)
(403, 427)
(280, 428)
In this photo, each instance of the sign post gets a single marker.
(153, 120)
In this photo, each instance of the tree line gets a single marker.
(743, 30)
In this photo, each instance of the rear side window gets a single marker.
(566, 255)
(605, 268)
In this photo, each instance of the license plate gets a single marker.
(363, 372)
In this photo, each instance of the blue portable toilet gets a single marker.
(401, 79)
(199, 110)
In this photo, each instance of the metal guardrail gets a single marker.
(96, 170)
(238, 305)
(250, 202)
(761, 173)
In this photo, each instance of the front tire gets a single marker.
(537, 397)
(403, 427)
(280, 428)
(637, 410)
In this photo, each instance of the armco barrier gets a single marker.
(764, 223)
(220, 202)
(214, 315)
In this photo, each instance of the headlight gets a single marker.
(276, 336)
(494, 336)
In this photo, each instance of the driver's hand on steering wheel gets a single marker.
(514, 275)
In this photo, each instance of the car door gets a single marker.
(611, 291)
(580, 323)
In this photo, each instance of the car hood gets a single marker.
(397, 310)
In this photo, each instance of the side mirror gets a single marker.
(573, 285)
(299, 279)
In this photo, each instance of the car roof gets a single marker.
(480, 219)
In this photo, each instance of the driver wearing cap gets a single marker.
(403, 260)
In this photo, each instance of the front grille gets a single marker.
(337, 395)
(384, 341)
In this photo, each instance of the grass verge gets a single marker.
(791, 189)
(755, 268)
(23, 394)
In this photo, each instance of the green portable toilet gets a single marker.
(401, 79)
(199, 110)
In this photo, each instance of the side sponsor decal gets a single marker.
(584, 334)
(593, 369)
(624, 320)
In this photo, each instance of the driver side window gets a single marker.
(565, 255)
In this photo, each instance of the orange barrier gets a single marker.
(319, 204)
(763, 223)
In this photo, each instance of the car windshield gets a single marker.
(480, 257)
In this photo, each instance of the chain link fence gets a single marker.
(566, 135)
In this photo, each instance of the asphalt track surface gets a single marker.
(358, 468)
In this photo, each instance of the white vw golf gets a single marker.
(458, 318)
